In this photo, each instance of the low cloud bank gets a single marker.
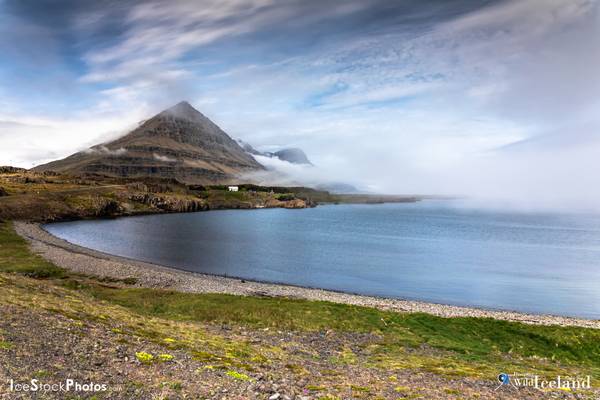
(284, 173)
(158, 157)
(105, 150)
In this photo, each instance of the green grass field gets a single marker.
(15, 256)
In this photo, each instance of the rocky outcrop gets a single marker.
(6, 169)
(295, 203)
(110, 208)
(169, 203)
(137, 186)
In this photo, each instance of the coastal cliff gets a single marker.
(44, 197)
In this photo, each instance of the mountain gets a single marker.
(291, 155)
(249, 149)
(179, 143)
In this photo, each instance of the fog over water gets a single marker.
(496, 101)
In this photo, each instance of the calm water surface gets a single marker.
(431, 251)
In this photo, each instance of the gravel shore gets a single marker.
(82, 260)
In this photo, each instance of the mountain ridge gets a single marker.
(292, 155)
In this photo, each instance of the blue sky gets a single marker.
(476, 97)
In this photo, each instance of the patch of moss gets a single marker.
(345, 357)
(144, 358)
(165, 357)
(329, 397)
(4, 345)
(452, 391)
(173, 385)
(296, 369)
(238, 375)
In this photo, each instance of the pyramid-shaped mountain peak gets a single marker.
(183, 106)
(179, 142)
(184, 110)
(184, 103)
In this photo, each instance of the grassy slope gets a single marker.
(16, 257)
(474, 347)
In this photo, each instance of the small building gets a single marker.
(233, 188)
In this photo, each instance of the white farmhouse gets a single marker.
(233, 188)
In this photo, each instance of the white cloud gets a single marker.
(105, 150)
(31, 141)
(398, 108)
(489, 79)
(163, 158)
(160, 33)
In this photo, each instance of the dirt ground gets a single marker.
(99, 343)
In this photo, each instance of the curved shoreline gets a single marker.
(91, 262)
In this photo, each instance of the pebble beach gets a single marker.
(86, 261)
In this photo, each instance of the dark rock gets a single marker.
(292, 155)
(169, 204)
(140, 187)
(6, 169)
(110, 209)
(197, 188)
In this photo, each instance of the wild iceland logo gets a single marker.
(504, 380)
(565, 383)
